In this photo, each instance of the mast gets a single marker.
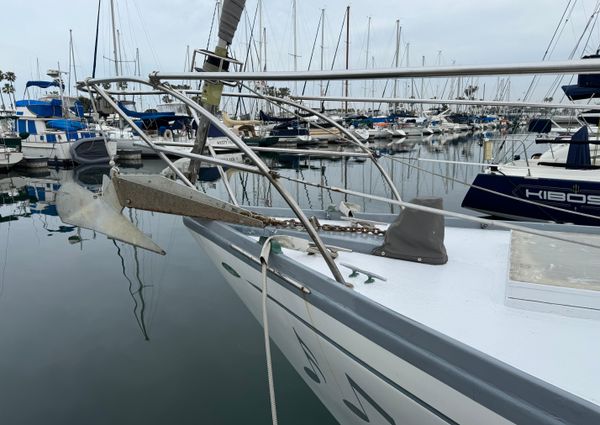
(412, 80)
(347, 52)
(295, 23)
(322, 44)
(138, 72)
(70, 56)
(422, 94)
(186, 61)
(265, 47)
(260, 36)
(373, 85)
(96, 41)
(437, 84)
(61, 91)
(367, 55)
(397, 61)
(114, 32)
(229, 18)
(120, 62)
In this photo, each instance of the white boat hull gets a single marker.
(55, 152)
(59, 152)
(356, 379)
(9, 158)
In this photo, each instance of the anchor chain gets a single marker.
(295, 224)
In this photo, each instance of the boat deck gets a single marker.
(466, 299)
(536, 171)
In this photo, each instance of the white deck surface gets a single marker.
(465, 299)
(519, 168)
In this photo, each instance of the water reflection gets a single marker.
(135, 290)
(37, 196)
(73, 296)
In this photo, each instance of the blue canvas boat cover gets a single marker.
(42, 84)
(66, 125)
(157, 120)
(145, 115)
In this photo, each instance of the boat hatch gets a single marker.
(539, 278)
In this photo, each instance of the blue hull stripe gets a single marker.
(571, 195)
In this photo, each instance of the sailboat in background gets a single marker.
(560, 185)
(53, 127)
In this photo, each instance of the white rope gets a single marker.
(289, 242)
(264, 258)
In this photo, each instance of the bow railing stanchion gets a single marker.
(266, 171)
(262, 167)
(223, 177)
(212, 152)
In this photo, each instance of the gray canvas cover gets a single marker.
(91, 150)
(416, 235)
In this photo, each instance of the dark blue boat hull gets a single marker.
(580, 196)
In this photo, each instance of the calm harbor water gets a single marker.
(94, 331)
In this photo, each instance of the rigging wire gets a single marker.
(312, 52)
(212, 24)
(337, 47)
(536, 77)
(558, 80)
(96, 41)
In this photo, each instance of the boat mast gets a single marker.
(422, 94)
(373, 86)
(114, 32)
(96, 41)
(120, 62)
(412, 81)
(295, 23)
(437, 84)
(367, 55)
(347, 52)
(138, 72)
(212, 90)
(260, 36)
(397, 62)
(70, 57)
(265, 47)
(61, 90)
(322, 44)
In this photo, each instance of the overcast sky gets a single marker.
(465, 31)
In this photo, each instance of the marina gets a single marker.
(153, 325)
(238, 242)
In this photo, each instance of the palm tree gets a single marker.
(2, 97)
(11, 78)
(8, 89)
